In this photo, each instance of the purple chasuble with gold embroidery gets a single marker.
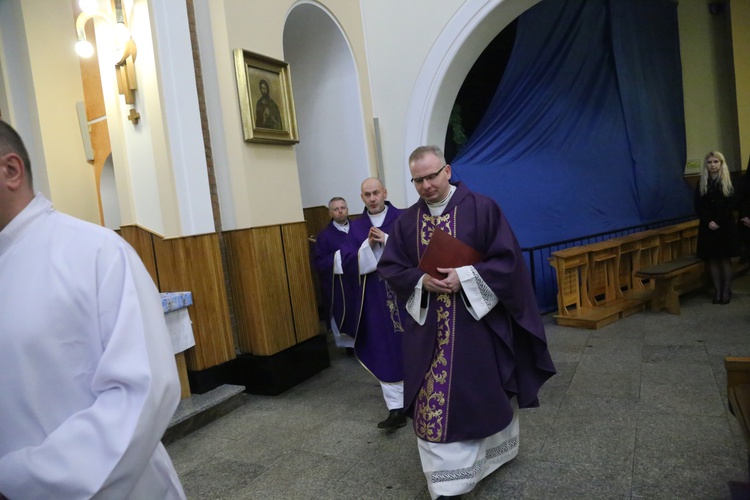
(377, 342)
(459, 373)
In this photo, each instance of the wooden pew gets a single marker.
(604, 279)
(678, 271)
(669, 282)
(637, 250)
(602, 282)
(738, 393)
(588, 286)
(574, 304)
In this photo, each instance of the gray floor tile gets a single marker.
(621, 385)
(681, 400)
(669, 440)
(220, 479)
(593, 439)
(675, 373)
(573, 481)
(684, 482)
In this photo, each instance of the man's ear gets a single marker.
(13, 171)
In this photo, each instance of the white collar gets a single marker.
(437, 207)
(344, 228)
(17, 227)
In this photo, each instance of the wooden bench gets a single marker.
(738, 393)
(588, 290)
(667, 278)
(599, 283)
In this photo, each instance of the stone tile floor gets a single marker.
(637, 410)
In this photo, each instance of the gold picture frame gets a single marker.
(264, 86)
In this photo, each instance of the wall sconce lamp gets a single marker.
(125, 49)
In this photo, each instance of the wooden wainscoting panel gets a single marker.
(193, 263)
(304, 304)
(316, 219)
(142, 241)
(260, 290)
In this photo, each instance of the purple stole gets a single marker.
(430, 409)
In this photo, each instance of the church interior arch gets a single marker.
(332, 153)
(460, 44)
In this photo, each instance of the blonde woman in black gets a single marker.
(717, 232)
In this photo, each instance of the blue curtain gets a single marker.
(585, 133)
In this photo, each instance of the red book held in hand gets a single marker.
(445, 251)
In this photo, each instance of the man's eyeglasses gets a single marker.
(430, 178)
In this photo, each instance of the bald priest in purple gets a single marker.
(377, 342)
(474, 345)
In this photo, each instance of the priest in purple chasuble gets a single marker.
(475, 350)
(336, 291)
(377, 342)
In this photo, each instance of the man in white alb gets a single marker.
(88, 382)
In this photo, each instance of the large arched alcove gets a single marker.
(459, 45)
(332, 152)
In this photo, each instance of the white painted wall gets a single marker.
(42, 84)
(17, 97)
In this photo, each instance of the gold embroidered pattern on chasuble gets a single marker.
(392, 303)
(433, 400)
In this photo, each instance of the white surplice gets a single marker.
(88, 381)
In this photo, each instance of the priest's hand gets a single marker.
(449, 284)
(376, 236)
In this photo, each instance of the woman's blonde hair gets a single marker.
(724, 178)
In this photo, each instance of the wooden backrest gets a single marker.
(571, 265)
(738, 371)
(670, 243)
(316, 219)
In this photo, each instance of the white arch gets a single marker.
(459, 45)
(332, 153)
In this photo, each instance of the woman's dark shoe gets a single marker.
(716, 301)
(726, 301)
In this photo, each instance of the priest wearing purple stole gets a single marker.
(336, 291)
(378, 337)
(475, 350)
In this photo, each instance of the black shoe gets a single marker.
(716, 301)
(396, 419)
(726, 301)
